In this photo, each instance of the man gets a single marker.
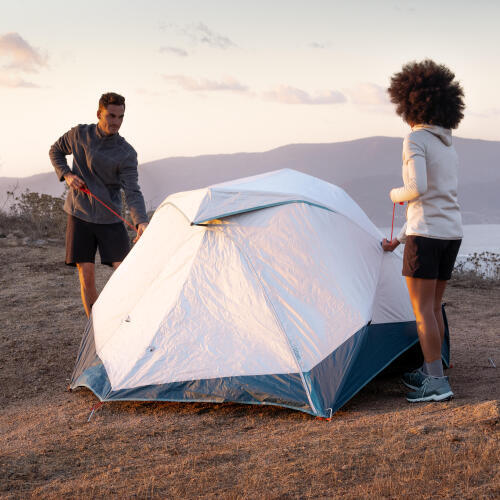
(103, 162)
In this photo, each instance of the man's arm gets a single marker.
(58, 152)
(129, 181)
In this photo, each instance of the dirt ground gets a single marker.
(377, 446)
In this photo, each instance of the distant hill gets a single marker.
(365, 168)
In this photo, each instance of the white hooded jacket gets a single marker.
(430, 168)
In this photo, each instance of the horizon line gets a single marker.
(178, 157)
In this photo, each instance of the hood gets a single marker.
(443, 133)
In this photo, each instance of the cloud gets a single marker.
(174, 50)
(368, 94)
(319, 45)
(290, 95)
(192, 84)
(21, 55)
(16, 82)
(201, 34)
(205, 35)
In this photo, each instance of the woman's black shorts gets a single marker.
(429, 258)
(84, 238)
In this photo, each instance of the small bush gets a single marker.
(33, 214)
(477, 270)
(126, 213)
(38, 215)
(484, 264)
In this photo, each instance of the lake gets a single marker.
(477, 238)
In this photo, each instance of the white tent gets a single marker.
(272, 289)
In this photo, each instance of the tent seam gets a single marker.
(203, 222)
(165, 203)
(278, 322)
(262, 207)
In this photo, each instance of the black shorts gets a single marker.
(84, 238)
(429, 258)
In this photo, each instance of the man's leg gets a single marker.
(115, 265)
(86, 273)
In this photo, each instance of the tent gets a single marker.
(272, 289)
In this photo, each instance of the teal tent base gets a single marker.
(330, 384)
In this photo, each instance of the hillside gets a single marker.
(365, 168)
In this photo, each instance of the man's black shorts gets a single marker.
(429, 258)
(83, 239)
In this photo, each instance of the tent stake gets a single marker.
(94, 409)
(326, 418)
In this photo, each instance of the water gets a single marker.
(477, 238)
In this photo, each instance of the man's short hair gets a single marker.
(111, 98)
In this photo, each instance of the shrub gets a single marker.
(477, 270)
(126, 212)
(39, 215)
(34, 214)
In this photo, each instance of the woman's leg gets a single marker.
(423, 296)
(438, 299)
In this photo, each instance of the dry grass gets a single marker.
(376, 447)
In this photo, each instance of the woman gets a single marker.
(431, 102)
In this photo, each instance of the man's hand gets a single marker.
(389, 246)
(73, 181)
(140, 229)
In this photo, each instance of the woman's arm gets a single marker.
(401, 237)
(390, 246)
(416, 173)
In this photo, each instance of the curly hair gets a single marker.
(111, 98)
(425, 92)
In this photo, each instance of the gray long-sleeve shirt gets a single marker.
(106, 163)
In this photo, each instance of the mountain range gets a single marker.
(366, 168)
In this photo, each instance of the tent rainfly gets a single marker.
(271, 289)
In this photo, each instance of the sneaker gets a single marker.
(432, 389)
(414, 379)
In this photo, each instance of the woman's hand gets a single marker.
(389, 246)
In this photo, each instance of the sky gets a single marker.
(211, 77)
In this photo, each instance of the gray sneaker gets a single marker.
(414, 379)
(432, 389)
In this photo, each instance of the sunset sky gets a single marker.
(228, 76)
